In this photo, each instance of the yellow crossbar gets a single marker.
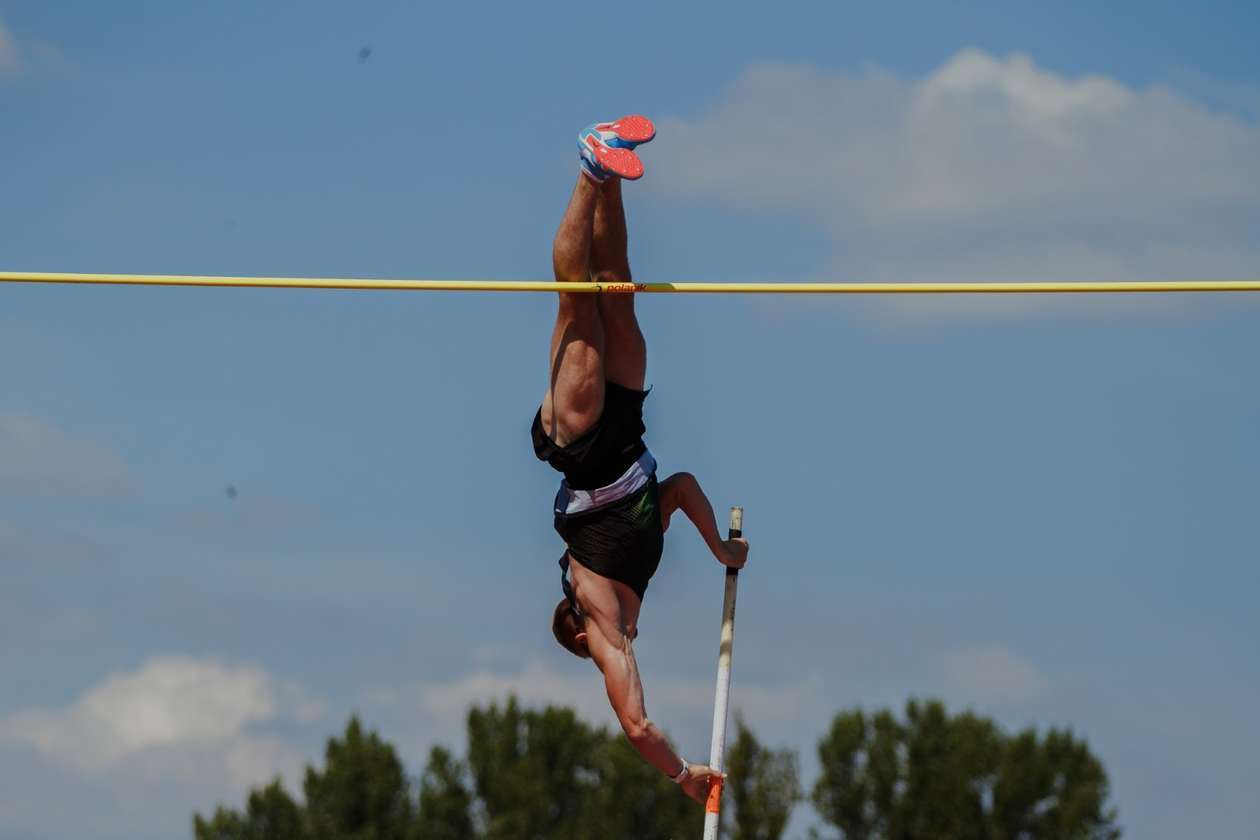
(1052, 287)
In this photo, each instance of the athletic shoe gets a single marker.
(627, 132)
(607, 153)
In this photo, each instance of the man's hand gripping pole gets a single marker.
(717, 748)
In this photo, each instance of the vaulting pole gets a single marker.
(717, 747)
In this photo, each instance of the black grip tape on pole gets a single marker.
(735, 531)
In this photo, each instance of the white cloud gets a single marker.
(989, 168)
(38, 457)
(9, 62)
(170, 708)
(992, 674)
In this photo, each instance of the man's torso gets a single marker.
(608, 507)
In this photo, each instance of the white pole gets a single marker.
(717, 748)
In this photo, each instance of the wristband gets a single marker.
(683, 775)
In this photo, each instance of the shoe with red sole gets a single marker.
(607, 148)
(627, 132)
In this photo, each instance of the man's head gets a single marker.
(569, 630)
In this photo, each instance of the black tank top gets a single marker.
(604, 451)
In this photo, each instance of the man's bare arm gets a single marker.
(682, 491)
(615, 658)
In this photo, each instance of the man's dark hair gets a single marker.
(565, 624)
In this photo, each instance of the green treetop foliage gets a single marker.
(529, 775)
(270, 814)
(445, 801)
(762, 788)
(546, 775)
(935, 775)
(363, 792)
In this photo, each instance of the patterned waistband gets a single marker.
(570, 501)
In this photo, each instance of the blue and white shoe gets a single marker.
(607, 148)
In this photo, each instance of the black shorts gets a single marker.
(622, 541)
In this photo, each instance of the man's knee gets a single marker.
(571, 272)
(617, 308)
(610, 275)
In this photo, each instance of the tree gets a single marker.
(633, 799)
(959, 777)
(763, 786)
(530, 774)
(545, 774)
(270, 814)
(1051, 788)
(532, 771)
(362, 794)
(445, 801)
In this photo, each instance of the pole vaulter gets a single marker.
(610, 509)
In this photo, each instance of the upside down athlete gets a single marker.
(610, 509)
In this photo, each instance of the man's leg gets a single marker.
(625, 355)
(575, 398)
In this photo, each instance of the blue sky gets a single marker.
(1042, 509)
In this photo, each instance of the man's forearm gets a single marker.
(651, 743)
(625, 693)
(700, 511)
